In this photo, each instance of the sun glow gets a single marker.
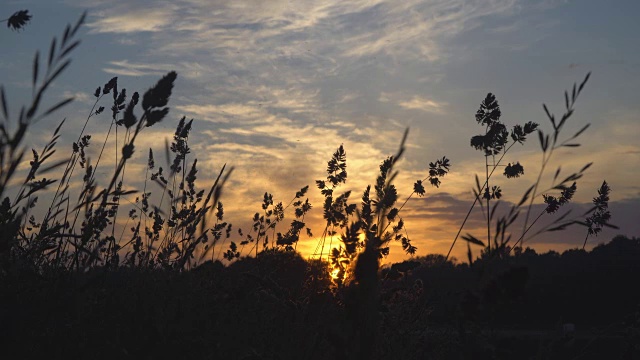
(335, 274)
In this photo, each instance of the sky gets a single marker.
(275, 87)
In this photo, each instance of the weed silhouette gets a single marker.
(18, 20)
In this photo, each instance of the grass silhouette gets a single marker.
(495, 144)
(18, 20)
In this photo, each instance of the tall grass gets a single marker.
(78, 230)
(495, 145)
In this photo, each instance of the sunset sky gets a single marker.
(275, 87)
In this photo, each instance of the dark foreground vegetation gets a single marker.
(280, 306)
(85, 274)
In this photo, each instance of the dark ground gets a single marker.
(283, 307)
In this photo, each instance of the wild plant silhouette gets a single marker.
(106, 270)
(495, 144)
(18, 20)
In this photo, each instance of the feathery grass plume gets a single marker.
(600, 214)
(494, 142)
(378, 216)
(267, 221)
(336, 209)
(18, 20)
(548, 144)
(366, 240)
(289, 240)
(183, 232)
(175, 236)
(171, 241)
(363, 294)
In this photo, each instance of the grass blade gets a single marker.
(36, 66)
(551, 117)
(542, 142)
(472, 239)
(584, 82)
(52, 52)
(70, 48)
(581, 131)
(52, 166)
(5, 108)
(78, 24)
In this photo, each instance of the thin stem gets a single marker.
(475, 201)
(323, 238)
(295, 246)
(521, 238)
(486, 168)
(461, 226)
(585, 241)
(72, 160)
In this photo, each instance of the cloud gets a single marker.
(128, 19)
(126, 41)
(126, 68)
(353, 29)
(79, 96)
(418, 103)
(222, 113)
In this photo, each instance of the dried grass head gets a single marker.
(18, 20)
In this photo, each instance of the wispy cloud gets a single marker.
(418, 103)
(126, 68)
(79, 96)
(132, 19)
(223, 113)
